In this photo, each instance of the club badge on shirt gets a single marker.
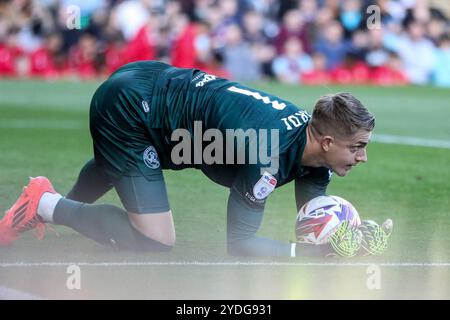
(265, 185)
(151, 158)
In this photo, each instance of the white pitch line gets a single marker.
(223, 264)
(411, 141)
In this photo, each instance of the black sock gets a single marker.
(105, 224)
(92, 183)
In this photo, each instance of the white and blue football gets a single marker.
(320, 217)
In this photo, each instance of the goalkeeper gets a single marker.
(147, 116)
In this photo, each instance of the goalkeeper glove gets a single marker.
(375, 237)
(346, 240)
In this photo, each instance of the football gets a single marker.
(320, 217)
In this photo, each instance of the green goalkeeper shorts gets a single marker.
(123, 146)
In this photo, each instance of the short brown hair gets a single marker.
(341, 114)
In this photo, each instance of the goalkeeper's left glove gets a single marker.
(375, 237)
(346, 240)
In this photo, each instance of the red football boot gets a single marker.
(23, 214)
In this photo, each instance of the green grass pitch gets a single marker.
(44, 131)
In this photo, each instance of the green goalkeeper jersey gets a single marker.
(242, 138)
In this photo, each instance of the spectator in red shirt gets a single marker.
(144, 45)
(114, 54)
(49, 61)
(351, 71)
(389, 74)
(318, 75)
(183, 53)
(83, 57)
(10, 54)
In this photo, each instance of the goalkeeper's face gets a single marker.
(343, 154)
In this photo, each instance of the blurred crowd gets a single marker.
(382, 42)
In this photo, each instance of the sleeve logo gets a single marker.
(265, 185)
(145, 106)
(206, 78)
